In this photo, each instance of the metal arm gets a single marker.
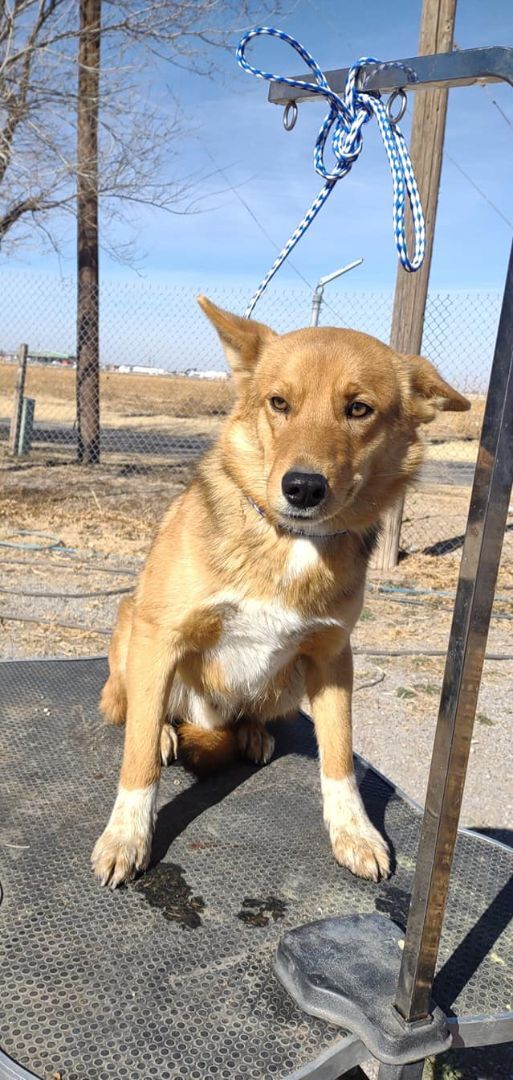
(462, 68)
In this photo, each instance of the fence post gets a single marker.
(14, 430)
(26, 426)
(426, 149)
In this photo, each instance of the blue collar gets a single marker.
(299, 532)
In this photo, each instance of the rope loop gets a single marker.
(342, 130)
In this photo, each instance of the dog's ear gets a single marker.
(428, 392)
(242, 339)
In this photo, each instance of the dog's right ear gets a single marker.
(242, 339)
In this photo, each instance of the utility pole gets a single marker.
(426, 151)
(88, 357)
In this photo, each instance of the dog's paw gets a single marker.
(117, 857)
(168, 744)
(365, 854)
(124, 847)
(254, 742)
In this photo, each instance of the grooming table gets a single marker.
(172, 976)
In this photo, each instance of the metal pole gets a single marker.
(316, 305)
(467, 643)
(318, 292)
(14, 432)
(413, 1071)
(26, 426)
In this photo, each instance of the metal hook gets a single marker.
(290, 115)
(401, 95)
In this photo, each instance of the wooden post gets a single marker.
(426, 150)
(88, 355)
(14, 431)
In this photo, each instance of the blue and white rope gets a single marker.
(344, 123)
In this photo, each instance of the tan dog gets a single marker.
(255, 579)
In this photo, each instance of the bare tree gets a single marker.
(68, 145)
(88, 297)
(38, 103)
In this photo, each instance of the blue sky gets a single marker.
(233, 125)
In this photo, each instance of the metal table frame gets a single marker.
(480, 559)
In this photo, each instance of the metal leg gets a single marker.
(413, 1071)
(476, 586)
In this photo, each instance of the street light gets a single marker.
(319, 289)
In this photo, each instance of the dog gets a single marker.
(255, 579)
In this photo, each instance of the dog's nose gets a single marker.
(302, 489)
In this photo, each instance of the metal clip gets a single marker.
(394, 96)
(290, 115)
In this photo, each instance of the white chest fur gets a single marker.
(258, 639)
(303, 556)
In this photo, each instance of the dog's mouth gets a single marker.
(313, 514)
(306, 522)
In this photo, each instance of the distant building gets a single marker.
(56, 359)
(195, 373)
(41, 356)
(136, 369)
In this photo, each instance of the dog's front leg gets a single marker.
(124, 847)
(355, 842)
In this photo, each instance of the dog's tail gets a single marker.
(205, 752)
(113, 700)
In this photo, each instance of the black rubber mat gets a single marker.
(171, 976)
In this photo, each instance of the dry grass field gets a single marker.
(147, 401)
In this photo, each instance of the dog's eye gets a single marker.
(279, 404)
(358, 409)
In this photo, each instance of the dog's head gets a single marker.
(325, 429)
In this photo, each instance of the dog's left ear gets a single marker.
(428, 392)
(242, 339)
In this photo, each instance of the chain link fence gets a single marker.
(164, 388)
